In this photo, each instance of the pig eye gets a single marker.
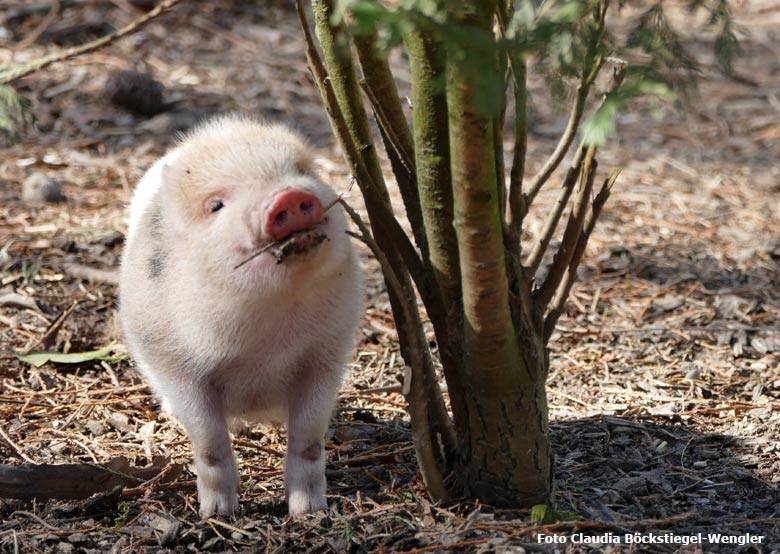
(215, 205)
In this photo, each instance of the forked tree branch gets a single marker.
(374, 194)
(551, 223)
(15, 73)
(558, 301)
(380, 89)
(517, 202)
(516, 208)
(432, 160)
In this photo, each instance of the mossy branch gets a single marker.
(380, 89)
(432, 160)
(435, 421)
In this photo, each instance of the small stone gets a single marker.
(65, 547)
(77, 538)
(693, 375)
(39, 187)
(94, 427)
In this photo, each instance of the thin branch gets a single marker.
(595, 61)
(281, 243)
(536, 256)
(430, 429)
(398, 148)
(517, 66)
(16, 73)
(575, 117)
(551, 223)
(571, 234)
(517, 202)
(379, 86)
(375, 195)
(558, 301)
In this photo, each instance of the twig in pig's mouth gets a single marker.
(289, 245)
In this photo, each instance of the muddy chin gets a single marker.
(298, 244)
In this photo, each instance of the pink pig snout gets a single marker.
(290, 211)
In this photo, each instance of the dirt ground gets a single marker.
(664, 388)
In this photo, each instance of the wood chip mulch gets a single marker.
(665, 383)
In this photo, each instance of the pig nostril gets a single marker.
(280, 218)
(306, 207)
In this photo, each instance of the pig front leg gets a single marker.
(199, 410)
(310, 408)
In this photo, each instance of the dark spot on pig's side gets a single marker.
(312, 452)
(155, 265)
(153, 221)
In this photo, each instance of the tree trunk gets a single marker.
(505, 453)
(507, 460)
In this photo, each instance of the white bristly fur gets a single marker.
(264, 342)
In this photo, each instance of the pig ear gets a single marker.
(170, 195)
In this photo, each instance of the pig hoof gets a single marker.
(216, 502)
(301, 503)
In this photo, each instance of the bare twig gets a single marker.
(15, 446)
(577, 109)
(16, 73)
(51, 15)
(590, 72)
(516, 200)
(537, 254)
(563, 289)
(36, 518)
(551, 223)
(571, 234)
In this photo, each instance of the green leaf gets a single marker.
(597, 128)
(38, 359)
(544, 514)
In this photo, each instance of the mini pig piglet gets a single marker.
(223, 342)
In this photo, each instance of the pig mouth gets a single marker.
(297, 243)
(294, 245)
